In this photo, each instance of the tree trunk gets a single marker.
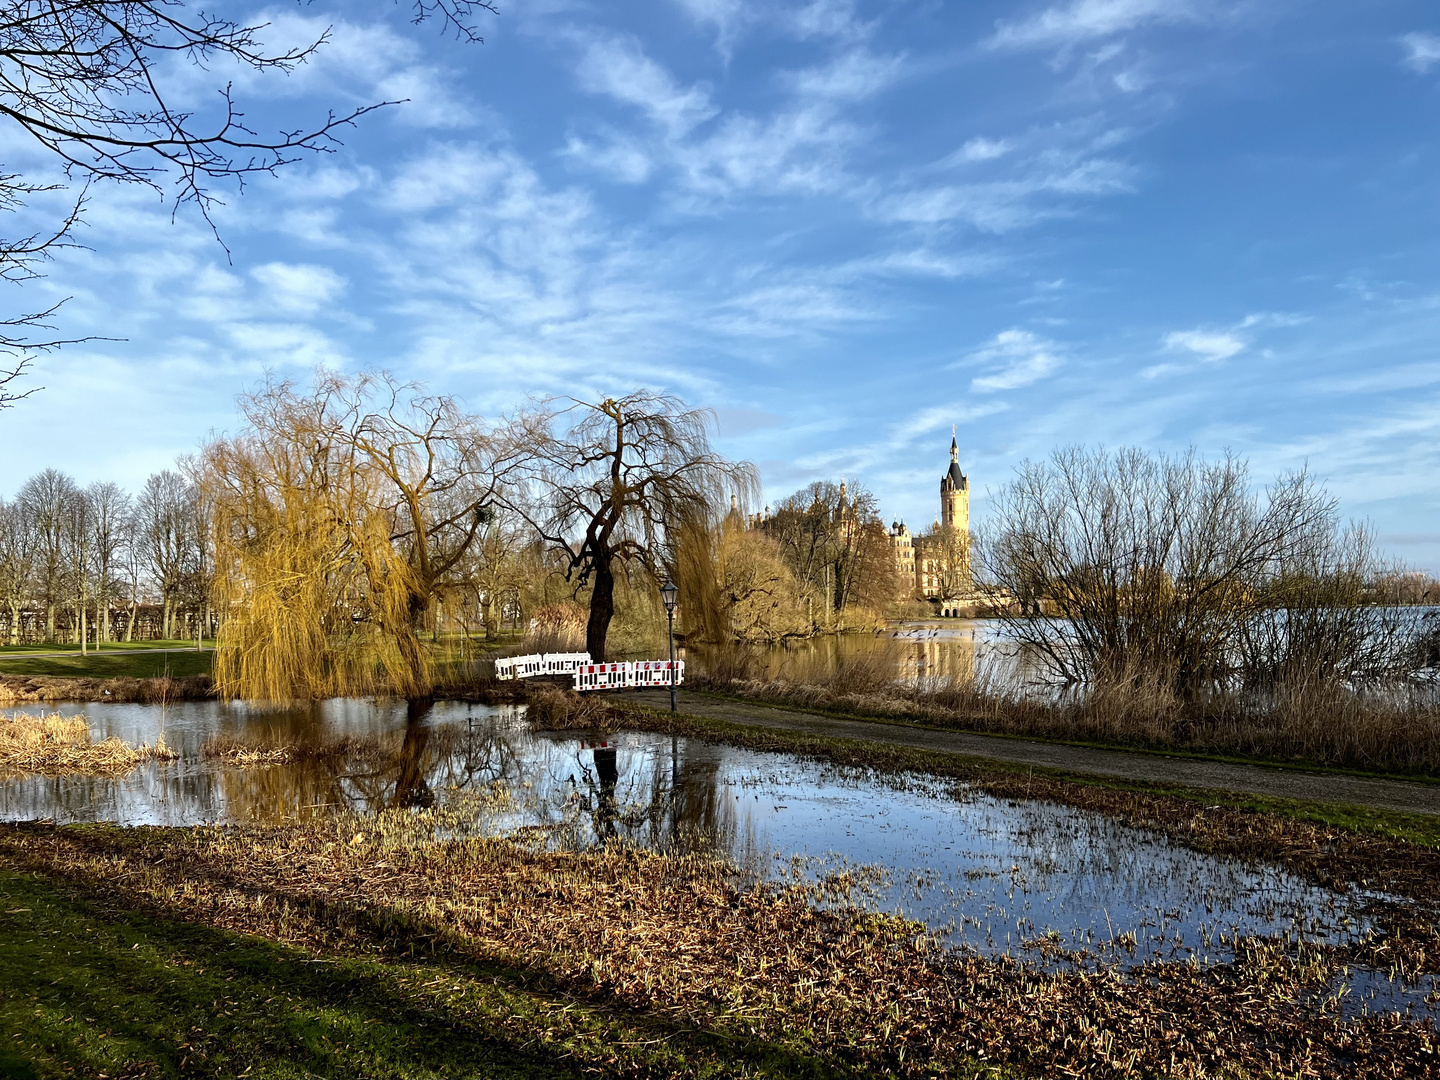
(50, 622)
(15, 622)
(602, 610)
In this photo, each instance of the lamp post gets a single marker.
(669, 593)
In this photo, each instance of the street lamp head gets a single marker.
(670, 593)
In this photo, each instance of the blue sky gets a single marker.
(845, 226)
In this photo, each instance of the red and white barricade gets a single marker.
(528, 667)
(623, 676)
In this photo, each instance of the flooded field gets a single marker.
(1027, 879)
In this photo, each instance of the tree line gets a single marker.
(99, 563)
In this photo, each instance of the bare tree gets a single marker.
(86, 81)
(610, 483)
(78, 542)
(833, 541)
(17, 553)
(165, 523)
(43, 501)
(1134, 565)
(110, 507)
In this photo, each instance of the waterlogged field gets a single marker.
(1052, 886)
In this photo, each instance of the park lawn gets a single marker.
(112, 663)
(109, 646)
(90, 988)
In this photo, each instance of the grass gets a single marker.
(55, 745)
(109, 646)
(102, 990)
(110, 663)
(441, 955)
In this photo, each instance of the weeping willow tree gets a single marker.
(737, 585)
(609, 484)
(339, 516)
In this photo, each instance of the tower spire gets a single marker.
(954, 445)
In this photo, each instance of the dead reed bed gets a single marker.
(54, 745)
(28, 689)
(1320, 724)
(554, 708)
(663, 939)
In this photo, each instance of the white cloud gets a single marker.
(854, 75)
(617, 156)
(980, 149)
(1002, 205)
(618, 67)
(1016, 358)
(299, 289)
(1086, 20)
(1422, 51)
(1210, 346)
(808, 20)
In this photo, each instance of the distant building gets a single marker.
(938, 562)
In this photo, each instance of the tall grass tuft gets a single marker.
(52, 745)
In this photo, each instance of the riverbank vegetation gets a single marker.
(1395, 730)
(54, 745)
(359, 536)
(613, 962)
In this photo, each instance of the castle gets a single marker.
(938, 562)
(932, 566)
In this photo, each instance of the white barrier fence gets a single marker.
(626, 676)
(527, 667)
(588, 676)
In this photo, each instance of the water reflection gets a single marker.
(991, 874)
(954, 649)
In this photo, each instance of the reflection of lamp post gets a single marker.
(669, 593)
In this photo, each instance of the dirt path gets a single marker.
(1191, 772)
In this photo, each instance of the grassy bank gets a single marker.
(379, 948)
(1321, 726)
(113, 660)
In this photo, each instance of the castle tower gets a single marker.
(955, 494)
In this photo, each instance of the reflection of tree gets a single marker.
(426, 758)
(410, 787)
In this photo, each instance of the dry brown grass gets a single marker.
(1321, 724)
(25, 689)
(553, 708)
(678, 939)
(52, 745)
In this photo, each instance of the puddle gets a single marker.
(994, 876)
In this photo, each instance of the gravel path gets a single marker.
(1191, 772)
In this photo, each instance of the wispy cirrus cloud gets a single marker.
(1214, 346)
(1209, 346)
(1083, 21)
(618, 67)
(1422, 51)
(1013, 358)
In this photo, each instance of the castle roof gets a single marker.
(954, 475)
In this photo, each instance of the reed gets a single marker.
(54, 745)
(1316, 722)
(553, 708)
